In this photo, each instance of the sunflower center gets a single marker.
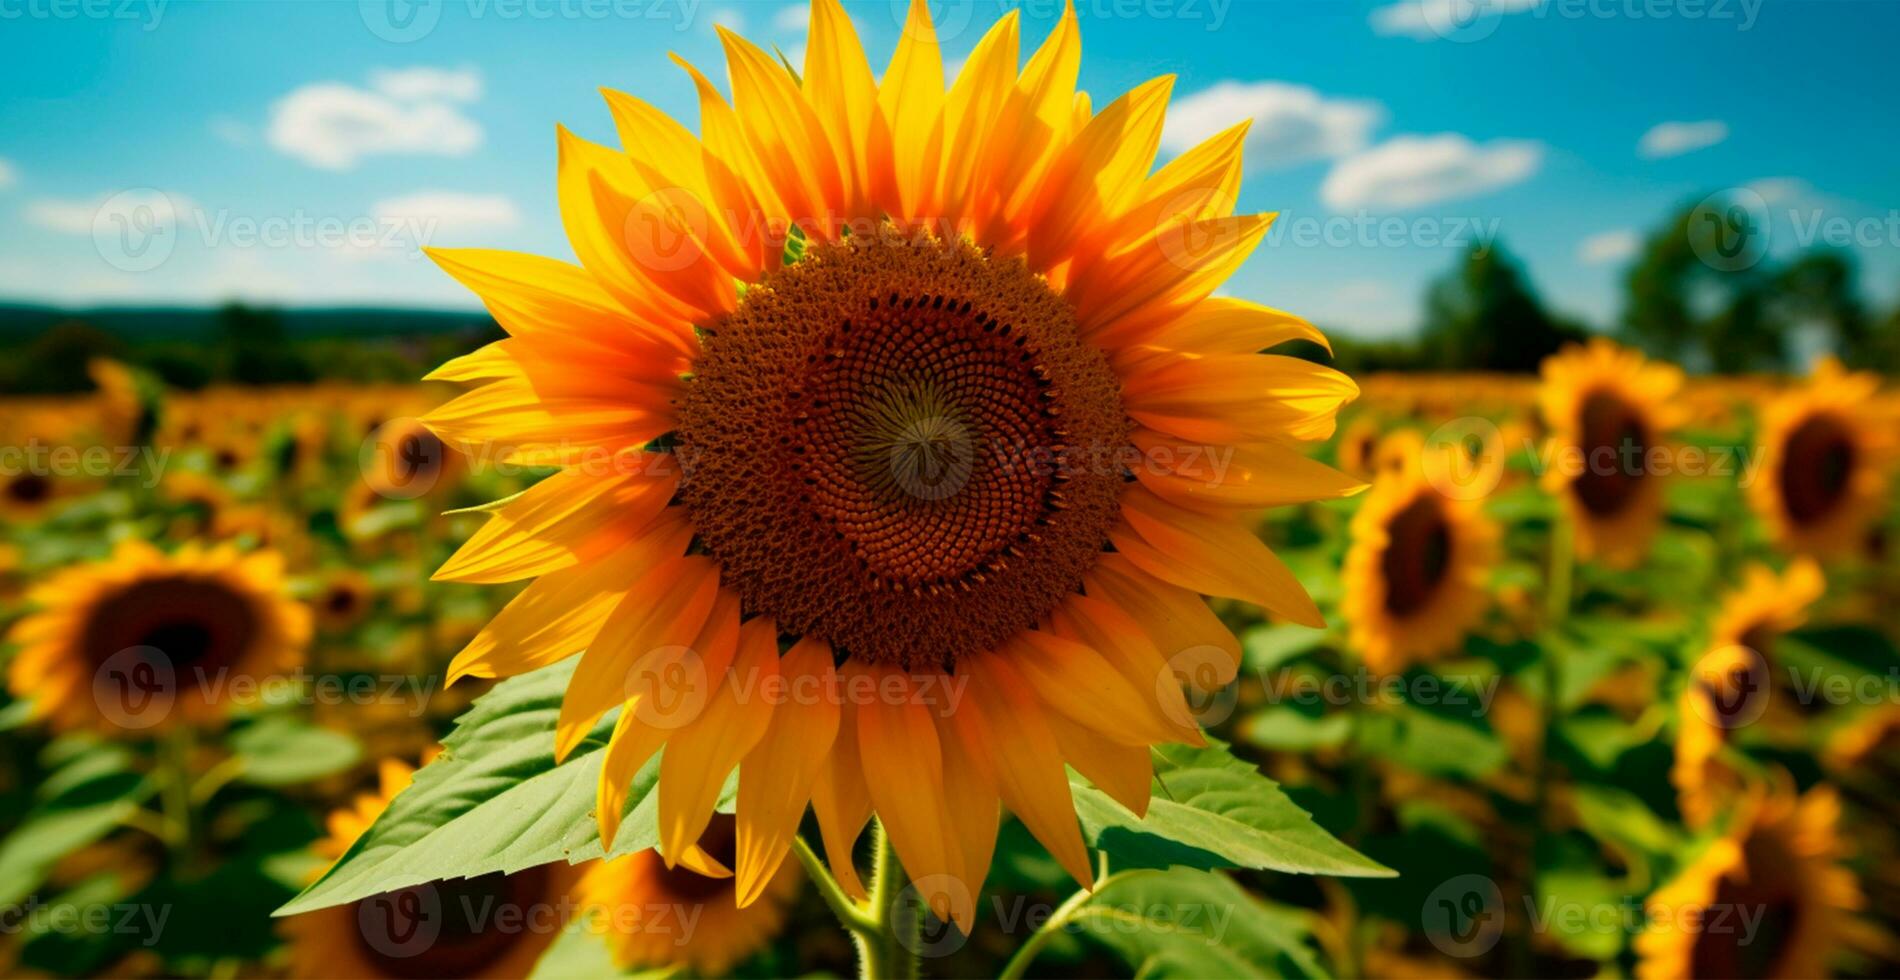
(197, 623)
(720, 841)
(1816, 469)
(29, 488)
(1614, 442)
(1417, 556)
(452, 928)
(882, 448)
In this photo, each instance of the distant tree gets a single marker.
(1484, 316)
(255, 348)
(55, 362)
(1818, 289)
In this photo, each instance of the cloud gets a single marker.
(138, 207)
(1427, 20)
(332, 126)
(449, 211)
(1605, 247)
(796, 17)
(1782, 190)
(1672, 139)
(230, 130)
(1413, 171)
(729, 19)
(1292, 124)
(9, 174)
(419, 84)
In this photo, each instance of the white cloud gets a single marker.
(1605, 247)
(1427, 20)
(1676, 138)
(1782, 190)
(9, 174)
(796, 17)
(230, 130)
(449, 212)
(139, 208)
(421, 84)
(332, 125)
(1292, 124)
(729, 19)
(1413, 171)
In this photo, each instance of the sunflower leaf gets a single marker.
(1186, 923)
(494, 800)
(1212, 810)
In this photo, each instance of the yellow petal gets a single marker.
(909, 123)
(1124, 772)
(786, 136)
(970, 112)
(842, 802)
(1098, 173)
(646, 636)
(903, 768)
(568, 518)
(511, 416)
(725, 136)
(1078, 681)
(843, 95)
(700, 755)
(1114, 634)
(1176, 619)
(1248, 477)
(532, 296)
(559, 614)
(1209, 555)
(974, 815)
(1163, 277)
(776, 777)
(1031, 130)
(1236, 398)
(1003, 728)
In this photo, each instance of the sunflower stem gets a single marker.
(1018, 965)
(175, 786)
(1557, 602)
(852, 915)
(886, 882)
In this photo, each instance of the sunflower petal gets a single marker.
(776, 776)
(842, 802)
(1209, 555)
(1176, 619)
(903, 768)
(700, 755)
(1250, 477)
(566, 519)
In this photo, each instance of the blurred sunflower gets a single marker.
(657, 915)
(493, 925)
(27, 497)
(1608, 409)
(407, 461)
(885, 375)
(1731, 685)
(341, 600)
(1356, 445)
(208, 612)
(1416, 574)
(1777, 864)
(1826, 460)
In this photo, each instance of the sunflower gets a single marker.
(27, 497)
(1357, 442)
(929, 389)
(1826, 458)
(341, 600)
(1608, 410)
(492, 925)
(1766, 899)
(1731, 685)
(405, 460)
(144, 639)
(656, 915)
(1415, 576)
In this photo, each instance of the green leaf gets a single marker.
(1430, 743)
(1212, 810)
(1267, 646)
(284, 751)
(1186, 923)
(82, 801)
(493, 801)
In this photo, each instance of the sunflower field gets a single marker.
(920, 567)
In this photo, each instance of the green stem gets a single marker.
(1018, 965)
(850, 913)
(175, 786)
(887, 881)
(1557, 600)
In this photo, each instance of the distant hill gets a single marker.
(23, 322)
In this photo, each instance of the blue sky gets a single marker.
(297, 151)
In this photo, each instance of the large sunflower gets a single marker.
(1733, 684)
(1766, 899)
(928, 387)
(655, 915)
(1608, 409)
(143, 639)
(1415, 577)
(492, 925)
(1825, 462)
